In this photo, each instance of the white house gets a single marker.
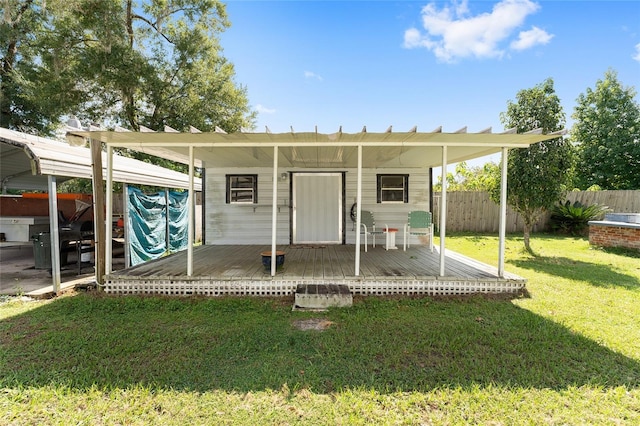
(294, 189)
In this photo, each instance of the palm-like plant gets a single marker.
(573, 218)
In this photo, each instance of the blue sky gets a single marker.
(430, 64)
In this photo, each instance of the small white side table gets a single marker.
(390, 243)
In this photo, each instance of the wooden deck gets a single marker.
(237, 270)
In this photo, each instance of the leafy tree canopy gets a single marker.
(118, 62)
(37, 73)
(607, 134)
(471, 178)
(539, 175)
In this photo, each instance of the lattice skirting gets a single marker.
(212, 287)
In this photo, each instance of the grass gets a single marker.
(592, 291)
(567, 354)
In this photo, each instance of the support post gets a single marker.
(98, 208)
(54, 234)
(503, 212)
(167, 220)
(125, 219)
(190, 214)
(431, 191)
(109, 219)
(203, 197)
(443, 210)
(274, 211)
(358, 211)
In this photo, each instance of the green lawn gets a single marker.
(569, 353)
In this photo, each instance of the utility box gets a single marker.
(42, 250)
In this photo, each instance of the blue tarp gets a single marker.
(147, 227)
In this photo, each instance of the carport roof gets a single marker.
(313, 149)
(27, 160)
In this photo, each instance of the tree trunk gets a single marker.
(6, 89)
(526, 233)
(129, 22)
(128, 92)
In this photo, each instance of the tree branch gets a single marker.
(12, 46)
(152, 25)
(21, 12)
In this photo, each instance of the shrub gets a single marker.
(573, 218)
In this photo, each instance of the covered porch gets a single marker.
(237, 270)
(230, 264)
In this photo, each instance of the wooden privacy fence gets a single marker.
(475, 212)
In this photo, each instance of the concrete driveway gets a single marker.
(18, 275)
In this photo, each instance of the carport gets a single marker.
(30, 162)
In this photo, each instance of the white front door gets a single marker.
(317, 208)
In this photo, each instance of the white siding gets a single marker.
(244, 224)
(394, 215)
(251, 224)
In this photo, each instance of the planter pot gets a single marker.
(266, 259)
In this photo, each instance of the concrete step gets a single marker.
(322, 296)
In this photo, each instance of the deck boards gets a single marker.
(314, 263)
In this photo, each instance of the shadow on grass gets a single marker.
(241, 344)
(621, 251)
(596, 274)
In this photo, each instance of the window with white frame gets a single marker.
(393, 188)
(242, 189)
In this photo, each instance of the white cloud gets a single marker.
(528, 39)
(264, 110)
(413, 38)
(309, 74)
(451, 33)
(637, 55)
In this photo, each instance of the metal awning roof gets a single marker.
(27, 160)
(315, 150)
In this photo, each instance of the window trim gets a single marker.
(405, 189)
(229, 178)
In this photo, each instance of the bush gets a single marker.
(573, 218)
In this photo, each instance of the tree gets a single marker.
(118, 62)
(607, 134)
(474, 178)
(37, 77)
(537, 176)
(161, 64)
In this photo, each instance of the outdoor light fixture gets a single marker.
(74, 122)
(75, 140)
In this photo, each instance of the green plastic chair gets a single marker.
(418, 223)
(368, 224)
